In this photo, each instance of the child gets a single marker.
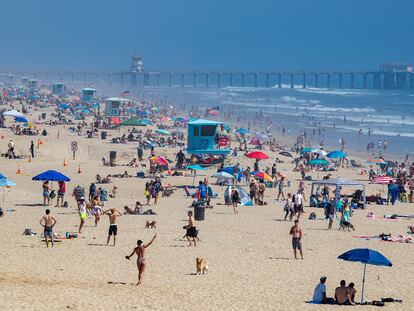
(288, 208)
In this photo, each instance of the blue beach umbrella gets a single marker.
(51, 175)
(242, 131)
(162, 132)
(367, 257)
(195, 168)
(318, 162)
(337, 154)
(64, 106)
(21, 119)
(4, 182)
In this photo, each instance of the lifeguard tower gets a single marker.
(88, 94)
(59, 89)
(113, 106)
(201, 135)
(32, 84)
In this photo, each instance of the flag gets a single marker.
(92, 84)
(213, 110)
(124, 94)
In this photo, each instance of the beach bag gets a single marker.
(52, 194)
(312, 216)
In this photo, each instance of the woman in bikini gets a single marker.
(141, 261)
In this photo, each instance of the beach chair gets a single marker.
(188, 193)
(211, 193)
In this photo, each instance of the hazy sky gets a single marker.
(205, 34)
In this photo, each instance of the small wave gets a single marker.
(342, 92)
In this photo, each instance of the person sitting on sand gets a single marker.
(342, 295)
(352, 291)
(411, 228)
(319, 294)
(141, 261)
(48, 222)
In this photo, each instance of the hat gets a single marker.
(323, 278)
(82, 199)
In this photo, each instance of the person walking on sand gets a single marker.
(48, 222)
(113, 228)
(191, 229)
(296, 233)
(31, 149)
(235, 199)
(141, 261)
(82, 212)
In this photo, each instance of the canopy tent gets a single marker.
(339, 183)
(13, 113)
(21, 120)
(223, 178)
(133, 122)
(337, 154)
(243, 195)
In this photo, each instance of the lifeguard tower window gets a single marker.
(208, 130)
(196, 131)
(115, 105)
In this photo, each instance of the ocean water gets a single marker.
(386, 114)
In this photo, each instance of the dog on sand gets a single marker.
(202, 265)
(150, 224)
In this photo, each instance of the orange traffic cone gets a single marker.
(30, 159)
(79, 169)
(65, 163)
(19, 170)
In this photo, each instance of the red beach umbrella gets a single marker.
(257, 155)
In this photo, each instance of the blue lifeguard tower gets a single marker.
(201, 134)
(113, 106)
(32, 84)
(88, 94)
(59, 89)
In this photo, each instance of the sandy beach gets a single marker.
(250, 255)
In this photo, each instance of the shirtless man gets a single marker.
(296, 233)
(48, 222)
(262, 189)
(342, 295)
(191, 229)
(141, 261)
(113, 228)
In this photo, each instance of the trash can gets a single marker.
(103, 135)
(112, 156)
(43, 115)
(199, 210)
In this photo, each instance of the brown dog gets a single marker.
(201, 265)
(150, 224)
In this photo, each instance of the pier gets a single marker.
(220, 79)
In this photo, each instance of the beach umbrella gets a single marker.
(376, 161)
(257, 155)
(130, 110)
(159, 160)
(146, 121)
(286, 154)
(195, 168)
(51, 175)
(85, 111)
(115, 120)
(165, 119)
(21, 119)
(162, 132)
(223, 175)
(242, 131)
(180, 119)
(336, 154)
(133, 122)
(155, 109)
(63, 106)
(13, 113)
(382, 180)
(367, 257)
(262, 175)
(321, 162)
(4, 182)
(96, 105)
(142, 113)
